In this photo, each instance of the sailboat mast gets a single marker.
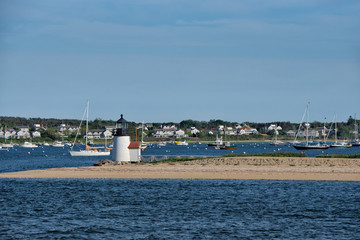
(142, 132)
(87, 124)
(335, 129)
(324, 132)
(356, 129)
(307, 124)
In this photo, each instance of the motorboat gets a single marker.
(218, 142)
(58, 144)
(28, 145)
(181, 143)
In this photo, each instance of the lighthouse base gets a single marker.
(121, 151)
(126, 151)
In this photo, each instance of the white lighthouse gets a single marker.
(124, 150)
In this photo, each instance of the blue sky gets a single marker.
(161, 61)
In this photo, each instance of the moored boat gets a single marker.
(28, 145)
(356, 141)
(308, 145)
(226, 145)
(89, 151)
(342, 144)
(336, 144)
(58, 144)
(217, 142)
(181, 143)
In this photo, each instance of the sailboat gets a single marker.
(5, 144)
(227, 145)
(356, 141)
(143, 144)
(89, 151)
(308, 145)
(276, 132)
(336, 143)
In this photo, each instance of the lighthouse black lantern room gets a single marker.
(122, 127)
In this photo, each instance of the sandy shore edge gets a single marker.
(267, 168)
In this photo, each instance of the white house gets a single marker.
(36, 134)
(23, 132)
(169, 128)
(107, 134)
(163, 134)
(291, 133)
(180, 134)
(10, 133)
(63, 127)
(36, 126)
(246, 131)
(96, 134)
(194, 131)
(312, 133)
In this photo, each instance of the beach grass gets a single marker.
(286, 154)
(276, 154)
(339, 156)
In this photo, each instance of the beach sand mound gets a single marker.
(271, 168)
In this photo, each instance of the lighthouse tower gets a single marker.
(121, 151)
(124, 150)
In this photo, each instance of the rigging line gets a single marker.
(302, 120)
(79, 128)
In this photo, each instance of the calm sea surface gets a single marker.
(171, 209)
(178, 209)
(19, 159)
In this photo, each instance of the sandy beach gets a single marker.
(270, 168)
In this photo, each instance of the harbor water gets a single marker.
(20, 159)
(172, 209)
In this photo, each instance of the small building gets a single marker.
(135, 151)
(291, 133)
(312, 133)
(194, 131)
(64, 127)
(107, 134)
(36, 134)
(180, 134)
(23, 132)
(95, 134)
(10, 133)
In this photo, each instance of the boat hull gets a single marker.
(228, 148)
(309, 147)
(88, 153)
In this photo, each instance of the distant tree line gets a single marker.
(345, 129)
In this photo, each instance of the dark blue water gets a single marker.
(18, 159)
(171, 209)
(178, 209)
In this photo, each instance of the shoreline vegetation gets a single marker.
(49, 129)
(225, 167)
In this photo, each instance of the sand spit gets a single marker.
(270, 168)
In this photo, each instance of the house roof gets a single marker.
(134, 145)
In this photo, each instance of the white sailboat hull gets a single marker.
(28, 145)
(7, 145)
(88, 153)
